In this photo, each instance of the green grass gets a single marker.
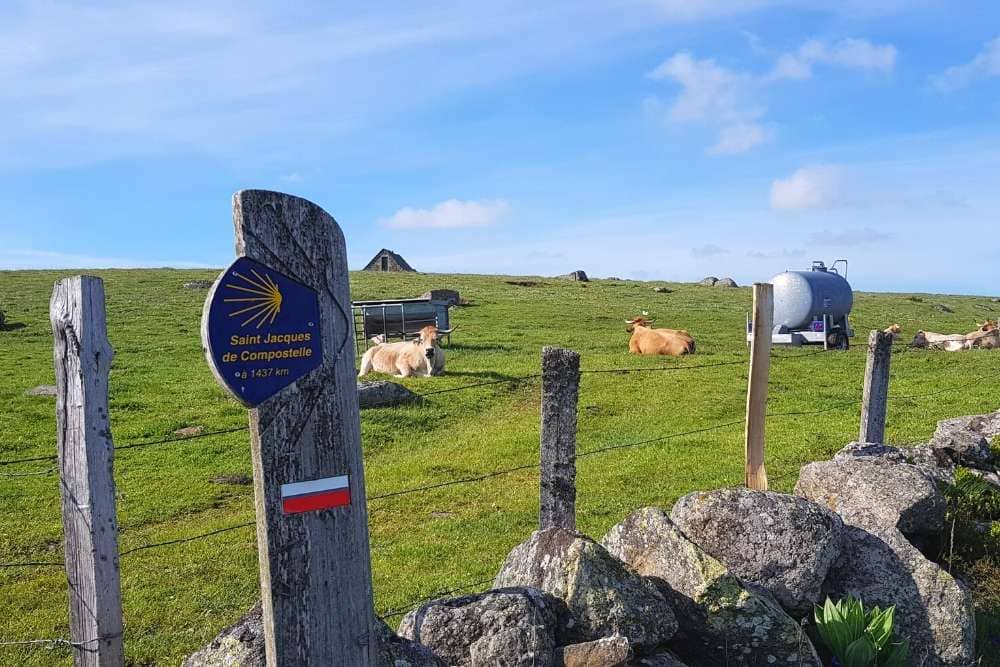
(177, 597)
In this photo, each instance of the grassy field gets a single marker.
(177, 597)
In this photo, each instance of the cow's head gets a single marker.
(919, 339)
(988, 325)
(428, 339)
(637, 322)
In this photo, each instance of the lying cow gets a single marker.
(987, 336)
(420, 357)
(935, 341)
(646, 340)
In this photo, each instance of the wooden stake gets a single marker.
(560, 391)
(86, 461)
(315, 566)
(875, 398)
(760, 365)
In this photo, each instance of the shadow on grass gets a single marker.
(483, 347)
(12, 326)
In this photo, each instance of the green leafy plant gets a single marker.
(860, 638)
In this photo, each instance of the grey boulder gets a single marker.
(449, 296)
(965, 440)
(726, 282)
(870, 451)
(239, 645)
(242, 645)
(708, 281)
(901, 495)
(604, 598)
(664, 659)
(784, 544)
(507, 626)
(42, 390)
(933, 609)
(382, 393)
(577, 275)
(720, 619)
(607, 652)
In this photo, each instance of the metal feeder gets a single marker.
(812, 307)
(396, 319)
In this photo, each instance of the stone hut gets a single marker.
(387, 260)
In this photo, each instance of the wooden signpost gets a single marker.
(277, 333)
(86, 461)
(760, 366)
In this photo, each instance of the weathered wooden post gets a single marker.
(278, 334)
(760, 366)
(86, 471)
(560, 390)
(874, 400)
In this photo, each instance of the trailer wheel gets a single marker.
(837, 340)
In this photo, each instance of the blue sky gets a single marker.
(642, 138)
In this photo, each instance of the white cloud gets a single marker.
(715, 96)
(450, 214)
(294, 177)
(849, 238)
(849, 52)
(814, 186)
(47, 259)
(708, 250)
(783, 253)
(985, 65)
(730, 100)
(739, 138)
(709, 92)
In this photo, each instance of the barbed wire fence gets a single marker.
(388, 496)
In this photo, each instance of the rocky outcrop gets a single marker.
(382, 393)
(721, 621)
(779, 542)
(933, 609)
(507, 626)
(577, 275)
(242, 645)
(607, 652)
(708, 281)
(726, 282)
(900, 495)
(603, 597)
(449, 296)
(42, 390)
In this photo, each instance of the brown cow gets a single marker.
(420, 357)
(987, 336)
(646, 340)
(893, 330)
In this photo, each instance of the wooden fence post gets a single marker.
(760, 366)
(305, 432)
(560, 390)
(876, 392)
(86, 462)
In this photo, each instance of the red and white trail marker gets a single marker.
(317, 494)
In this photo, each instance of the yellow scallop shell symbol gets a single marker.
(264, 305)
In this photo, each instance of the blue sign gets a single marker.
(261, 331)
